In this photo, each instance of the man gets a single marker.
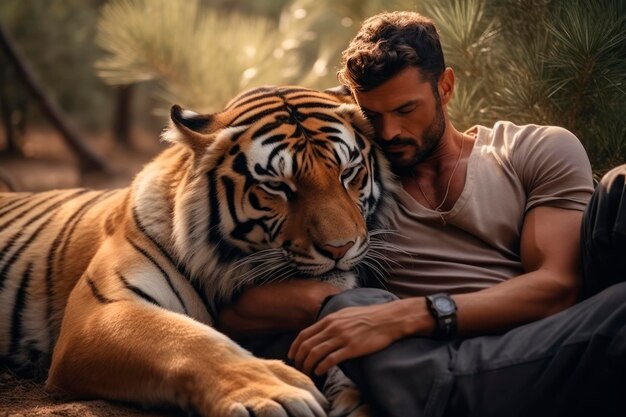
(490, 266)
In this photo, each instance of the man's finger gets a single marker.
(305, 348)
(318, 353)
(304, 335)
(295, 345)
(333, 359)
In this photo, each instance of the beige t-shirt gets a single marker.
(511, 170)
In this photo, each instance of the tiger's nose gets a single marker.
(336, 252)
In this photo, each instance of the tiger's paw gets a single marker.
(264, 388)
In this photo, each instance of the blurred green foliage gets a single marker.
(201, 56)
(559, 62)
(57, 39)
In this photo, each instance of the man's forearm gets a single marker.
(364, 329)
(518, 301)
(272, 308)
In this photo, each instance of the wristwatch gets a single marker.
(443, 308)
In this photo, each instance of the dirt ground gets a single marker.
(47, 165)
(20, 398)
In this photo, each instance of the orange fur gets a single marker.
(122, 283)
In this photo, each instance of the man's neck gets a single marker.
(438, 181)
(443, 157)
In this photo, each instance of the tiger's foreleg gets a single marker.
(126, 349)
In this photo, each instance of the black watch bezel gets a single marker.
(445, 319)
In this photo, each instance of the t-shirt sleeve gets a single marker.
(553, 167)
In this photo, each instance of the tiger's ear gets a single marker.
(190, 128)
(342, 93)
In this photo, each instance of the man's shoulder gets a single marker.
(549, 161)
(510, 136)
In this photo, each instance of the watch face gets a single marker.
(444, 305)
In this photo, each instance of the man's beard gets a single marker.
(431, 139)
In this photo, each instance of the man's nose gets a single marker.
(389, 128)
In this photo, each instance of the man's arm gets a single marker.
(550, 254)
(277, 307)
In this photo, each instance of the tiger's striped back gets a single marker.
(46, 242)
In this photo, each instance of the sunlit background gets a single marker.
(85, 85)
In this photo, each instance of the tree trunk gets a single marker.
(7, 123)
(88, 159)
(122, 122)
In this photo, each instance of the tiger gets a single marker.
(113, 294)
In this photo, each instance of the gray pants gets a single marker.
(569, 364)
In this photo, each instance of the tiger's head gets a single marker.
(285, 181)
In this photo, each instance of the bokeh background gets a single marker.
(85, 85)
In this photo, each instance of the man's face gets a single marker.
(407, 116)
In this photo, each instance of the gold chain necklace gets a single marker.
(438, 207)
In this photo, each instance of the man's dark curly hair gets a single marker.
(388, 43)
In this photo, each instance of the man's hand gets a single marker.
(282, 306)
(358, 331)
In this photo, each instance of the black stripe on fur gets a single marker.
(138, 291)
(179, 266)
(70, 225)
(97, 294)
(161, 270)
(53, 210)
(18, 308)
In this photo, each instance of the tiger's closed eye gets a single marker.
(277, 188)
(275, 185)
(350, 175)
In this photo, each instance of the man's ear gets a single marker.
(190, 128)
(342, 93)
(446, 85)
